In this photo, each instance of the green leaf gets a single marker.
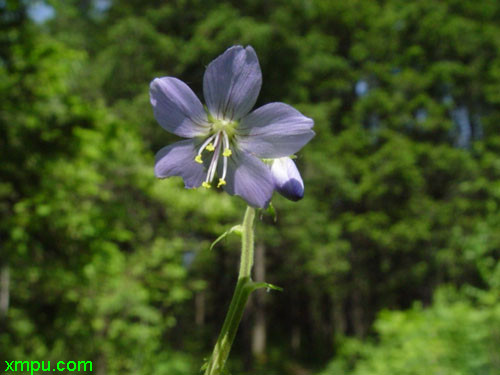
(268, 286)
(236, 229)
(271, 211)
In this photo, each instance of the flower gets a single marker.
(286, 178)
(225, 138)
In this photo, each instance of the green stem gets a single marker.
(243, 290)
(246, 262)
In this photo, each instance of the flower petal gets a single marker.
(249, 178)
(287, 179)
(274, 131)
(177, 109)
(178, 160)
(232, 82)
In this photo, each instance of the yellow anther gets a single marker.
(206, 185)
(227, 153)
(222, 182)
(198, 159)
(210, 147)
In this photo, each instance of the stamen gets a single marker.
(227, 151)
(220, 140)
(213, 167)
(224, 170)
(206, 145)
(213, 163)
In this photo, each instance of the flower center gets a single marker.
(217, 143)
(229, 127)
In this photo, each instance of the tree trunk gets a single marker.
(4, 290)
(338, 317)
(199, 302)
(259, 331)
(358, 313)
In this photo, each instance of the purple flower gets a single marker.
(286, 178)
(224, 139)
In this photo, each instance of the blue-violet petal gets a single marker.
(177, 109)
(249, 178)
(232, 82)
(178, 160)
(274, 130)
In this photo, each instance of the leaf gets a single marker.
(237, 229)
(268, 286)
(271, 211)
(206, 362)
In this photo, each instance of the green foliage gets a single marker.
(109, 264)
(454, 336)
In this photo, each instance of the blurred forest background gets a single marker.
(390, 264)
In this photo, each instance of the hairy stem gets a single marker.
(243, 290)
